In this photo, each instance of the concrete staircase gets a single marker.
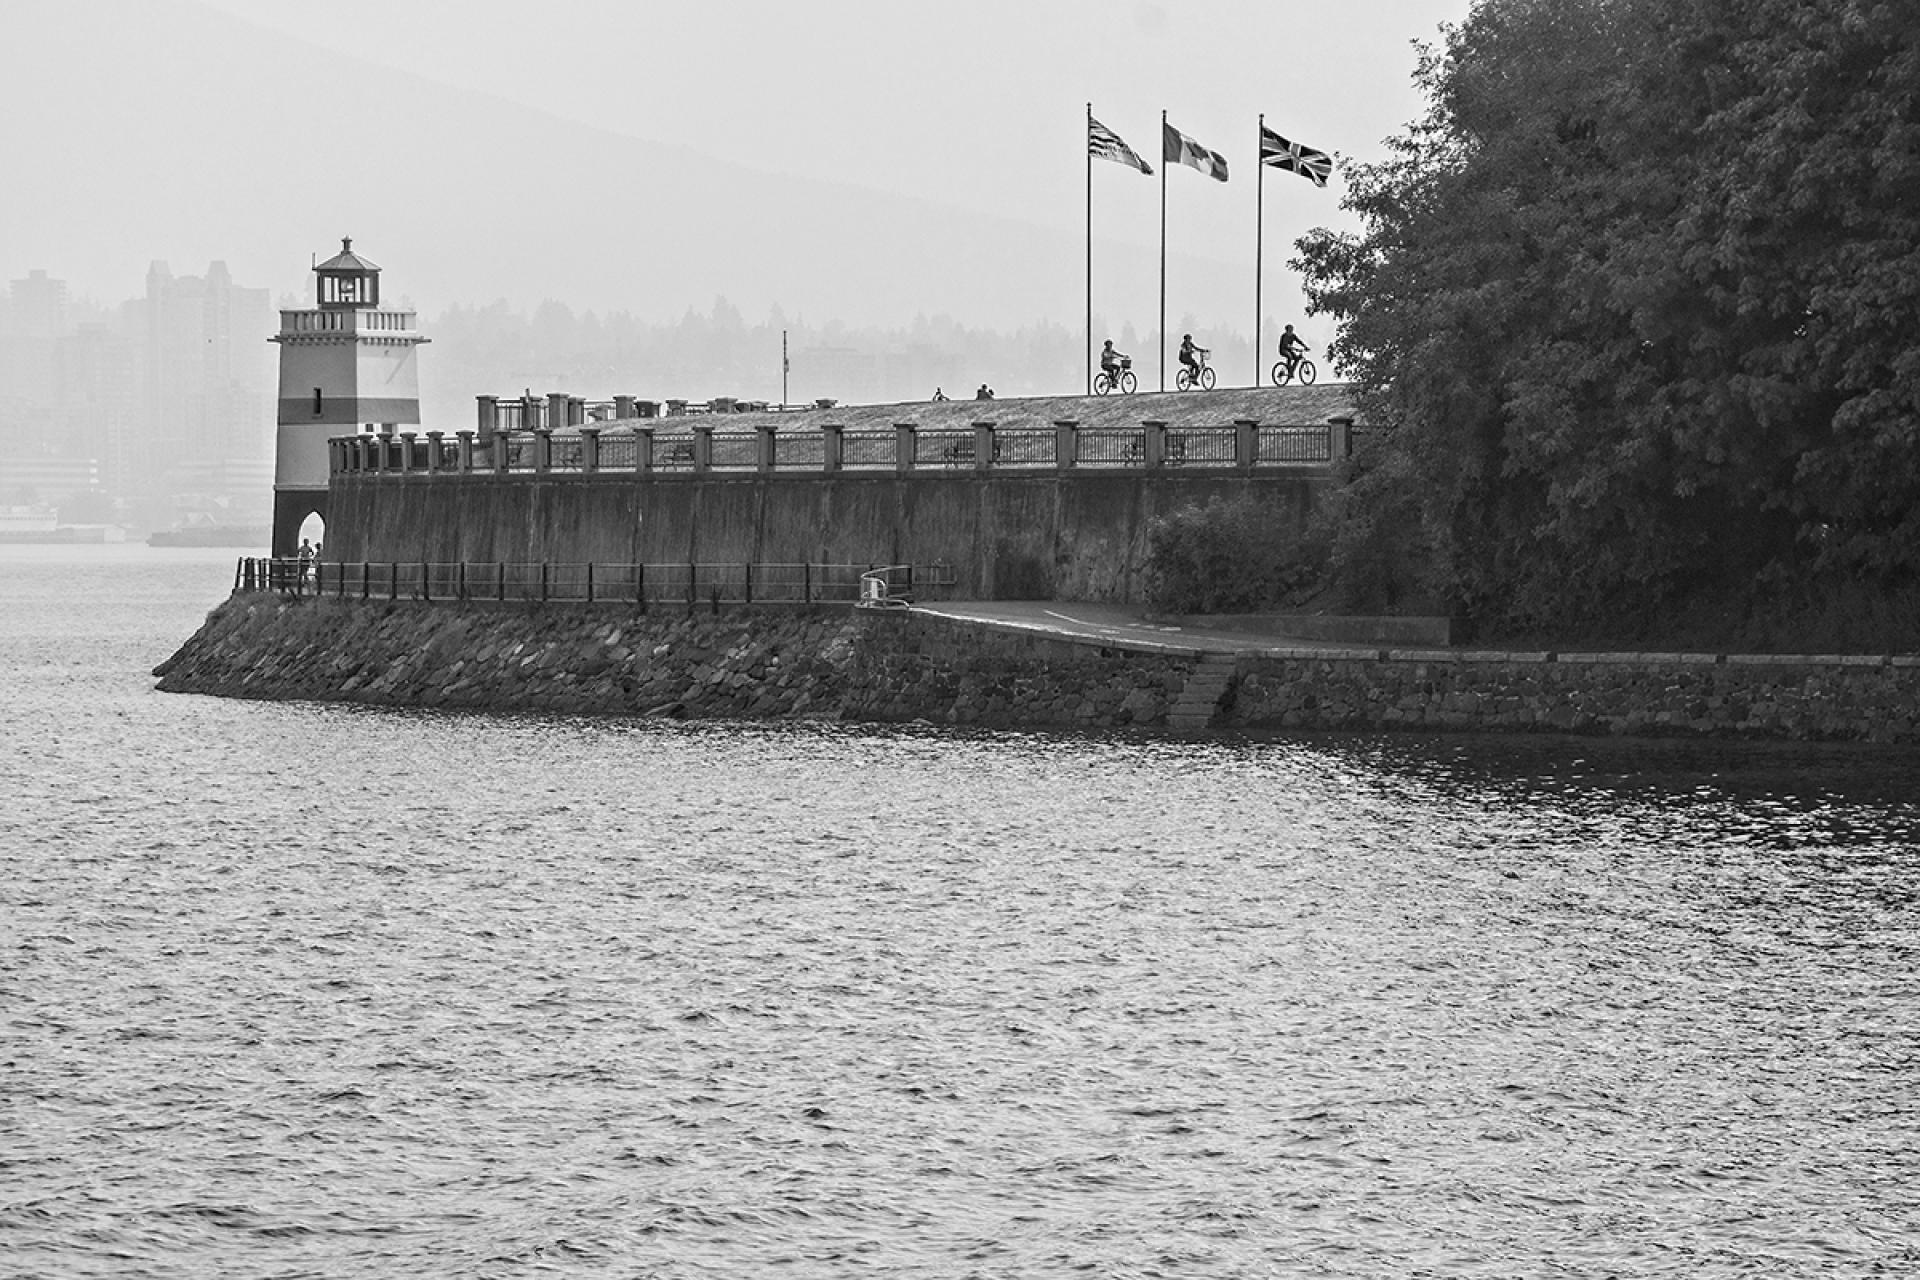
(1200, 699)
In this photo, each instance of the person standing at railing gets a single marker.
(307, 555)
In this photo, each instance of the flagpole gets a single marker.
(1259, 229)
(1163, 250)
(1088, 362)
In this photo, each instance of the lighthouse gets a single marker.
(346, 365)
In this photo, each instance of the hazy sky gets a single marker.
(975, 106)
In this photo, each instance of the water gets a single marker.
(295, 990)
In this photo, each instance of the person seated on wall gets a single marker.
(939, 395)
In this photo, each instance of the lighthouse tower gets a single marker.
(347, 364)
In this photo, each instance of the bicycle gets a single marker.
(1124, 381)
(1186, 378)
(1302, 369)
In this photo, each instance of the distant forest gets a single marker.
(498, 350)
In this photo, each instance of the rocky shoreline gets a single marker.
(841, 664)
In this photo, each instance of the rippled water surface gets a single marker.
(299, 990)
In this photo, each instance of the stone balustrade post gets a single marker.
(1246, 442)
(433, 451)
(576, 410)
(982, 445)
(903, 446)
(556, 410)
(501, 440)
(465, 452)
(703, 448)
(623, 408)
(406, 450)
(1066, 444)
(763, 453)
(1339, 438)
(1154, 454)
(642, 451)
(589, 450)
(486, 416)
(543, 449)
(832, 447)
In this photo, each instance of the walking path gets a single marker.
(1114, 625)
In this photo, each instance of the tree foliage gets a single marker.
(1638, 301)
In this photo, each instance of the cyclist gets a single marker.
(1190, 357)
(1291, 350)
(1111, 362)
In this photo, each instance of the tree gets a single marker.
(1635, 301)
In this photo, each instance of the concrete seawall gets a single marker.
(839, 663)
(1081, 536)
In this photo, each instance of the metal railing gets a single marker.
(584, 582)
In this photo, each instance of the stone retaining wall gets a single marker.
(1874, 699)
(838, 663)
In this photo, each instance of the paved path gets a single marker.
(1122, 626)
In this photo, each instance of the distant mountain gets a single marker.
(166, 130)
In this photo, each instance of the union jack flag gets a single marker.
(1315, 166)
(1104, 144)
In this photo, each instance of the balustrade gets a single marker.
(588, 446)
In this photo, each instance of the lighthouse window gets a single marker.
(316, 402)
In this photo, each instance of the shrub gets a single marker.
(1229, 556)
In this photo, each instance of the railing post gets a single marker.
(903, 446)
(433, 451)
(486, 416)
(703, 448)
(502, 442)
(406, 450)
(746, 571)
(1339, 438)
(763, 455)
(623, 408)
(1066, 444)
(589, 582)
(982, 445)
(576, 410)
(543, 449)
(556, 410)
(831, 447)
(642, 451)
(1246, 442)
(589, 450)
(465, 449)
(1156, 444)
